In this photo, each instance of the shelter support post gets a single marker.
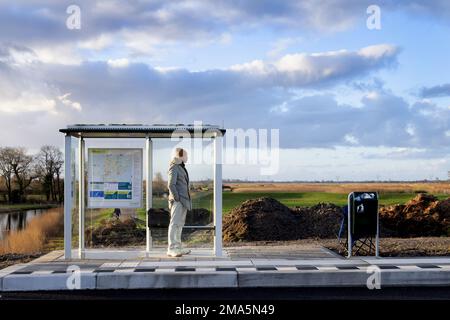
(349, 237)
(218, 195)
(148, 189)
(68, 197)
(81, 200)
(377, 239)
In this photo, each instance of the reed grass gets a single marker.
(34, 237)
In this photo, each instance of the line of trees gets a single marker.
(21, 172)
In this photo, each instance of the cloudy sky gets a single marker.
(350, 102)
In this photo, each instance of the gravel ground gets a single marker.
(10, 259)
(389, 247)
(410, 247)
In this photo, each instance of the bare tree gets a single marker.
(17, 168)
(49, 166)
(23, 168)
(6, 170)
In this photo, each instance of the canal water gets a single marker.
(17, 220)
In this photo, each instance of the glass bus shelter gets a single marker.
(149, 133)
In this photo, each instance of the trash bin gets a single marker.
(363, 226)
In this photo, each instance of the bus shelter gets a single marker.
(149, 133)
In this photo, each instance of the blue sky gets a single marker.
(350, 103)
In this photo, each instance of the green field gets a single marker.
(302, 199)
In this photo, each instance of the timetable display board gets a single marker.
(114, 178)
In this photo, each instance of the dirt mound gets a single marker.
(424, 215)
(260, 219)
(114, 232)
(160, 217)
(266, 219)
(320, 221)
(442, 210)
(198, 217)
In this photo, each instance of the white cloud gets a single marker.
(62, 54)
(281, 45)
(378, 51)
(119, 63)
(97, 43)
(67, 102)
(303, 69)
(28, 102)
(351, 139)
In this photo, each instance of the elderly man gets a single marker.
(179, 201)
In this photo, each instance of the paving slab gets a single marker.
(167, 280)
(8, 270)
(303, 279)
(45, 282)
(403, 278)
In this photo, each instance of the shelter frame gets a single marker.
(149, 133)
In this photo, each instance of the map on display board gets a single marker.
(114, 178)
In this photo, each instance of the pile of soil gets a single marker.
(266, 219)
(422, 216)
(131, 231)
(260, 219)
(160, 217)
(320, 221)
(115, 232)
(198, 217)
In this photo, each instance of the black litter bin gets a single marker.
(363, 223)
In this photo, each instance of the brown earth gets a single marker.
(130, 231)
(260, 219)
(115, 232)
(424, 215)
(266, 219)
(320, 221)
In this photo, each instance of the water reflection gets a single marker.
(16, 220)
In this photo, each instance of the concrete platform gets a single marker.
(240, 267)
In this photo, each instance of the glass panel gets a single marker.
(200, 170)
(75, 181)
(120, 226)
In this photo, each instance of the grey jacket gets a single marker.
(178, 184)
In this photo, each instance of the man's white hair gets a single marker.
(179, 153)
